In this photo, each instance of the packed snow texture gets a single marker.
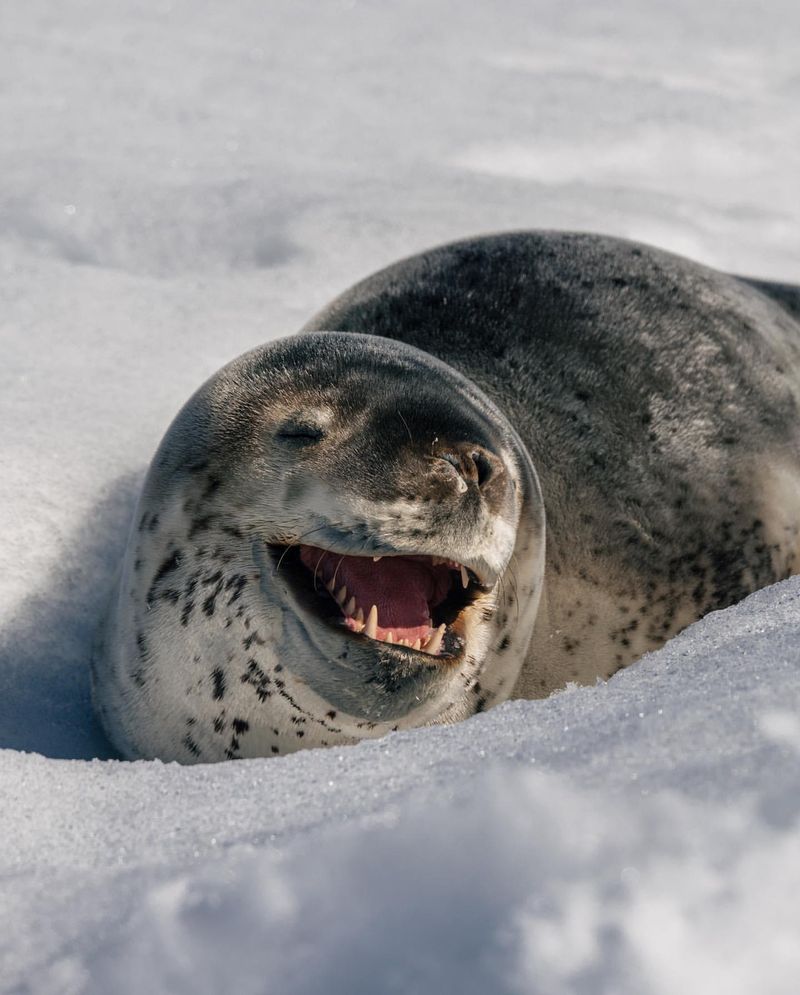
(183, 180)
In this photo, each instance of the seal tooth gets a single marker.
(329, 585)
(341, 595)
(376, 558)
(417, 644)
(371, 627)
(389, 637)
(435, 643)
(464, 577)
(360, 617)
(350, 607)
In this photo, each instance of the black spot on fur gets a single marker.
(191, 746)
(201, 525)
(210, 603)
(218, 677)
(505, 642)
(254, 637)
(219, 723)
(256, 677)
(240, 726)
(213, 484)
(172, 562)
(237, 583)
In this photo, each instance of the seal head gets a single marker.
(327, 547)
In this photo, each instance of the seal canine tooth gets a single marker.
(371, 627)
(464, 577)
(341, 595)
(329, 585)
(376, 558)
(360, 617)
(417, 644)
(435, 643)
(350, 607)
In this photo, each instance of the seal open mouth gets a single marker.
(414, 601)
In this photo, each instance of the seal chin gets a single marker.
(419, 603)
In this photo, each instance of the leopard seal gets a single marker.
(489, 470)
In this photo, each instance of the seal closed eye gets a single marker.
(343, 533)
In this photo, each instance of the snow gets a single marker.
(182, 180)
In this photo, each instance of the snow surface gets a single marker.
(182, 180)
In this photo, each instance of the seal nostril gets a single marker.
(483, 466)
(473, 465)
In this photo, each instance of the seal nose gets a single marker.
(474, 464)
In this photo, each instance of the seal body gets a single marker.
(484, 472)
(658, 400)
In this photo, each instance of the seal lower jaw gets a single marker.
(417, 603)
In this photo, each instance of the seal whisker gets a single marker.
(316, 568)
(336, 571)
(515, 587)
(296, 542)
(402, 419)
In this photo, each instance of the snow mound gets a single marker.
(640, 835)
(516, 885)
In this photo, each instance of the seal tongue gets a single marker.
(404, 589)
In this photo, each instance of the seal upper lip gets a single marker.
(409, 600)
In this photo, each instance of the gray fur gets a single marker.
(657, 400)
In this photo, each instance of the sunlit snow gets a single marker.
(182, 180)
